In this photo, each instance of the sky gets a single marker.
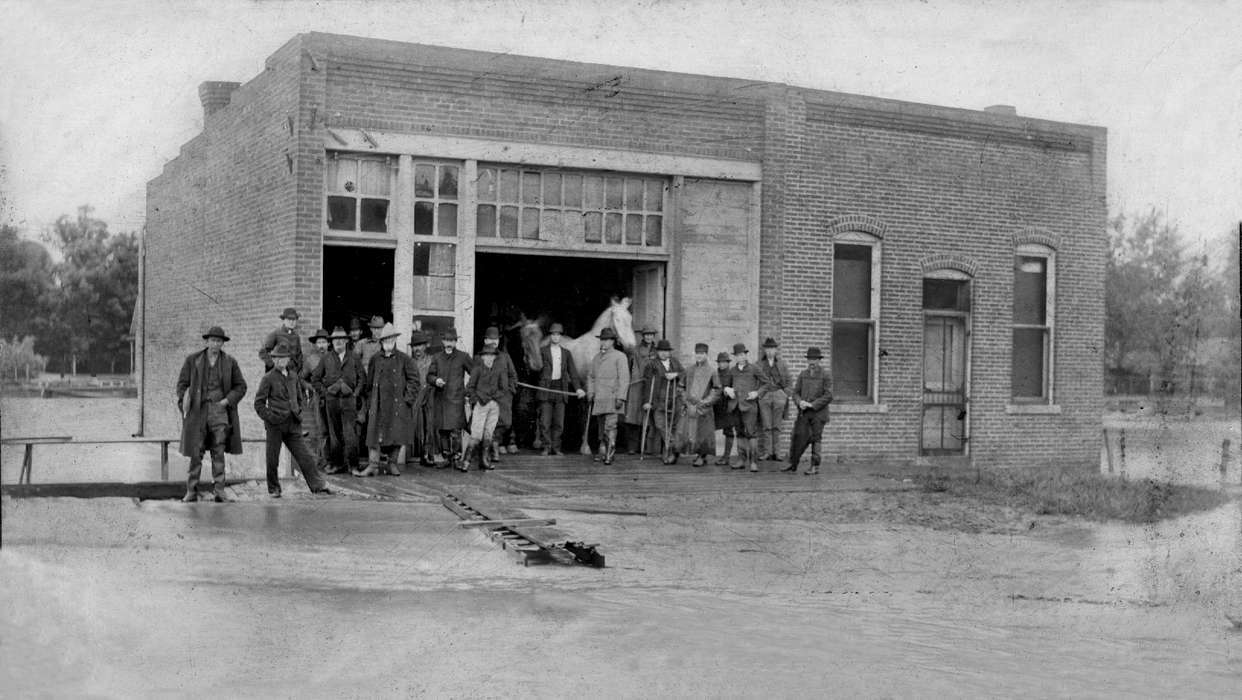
(96, 96)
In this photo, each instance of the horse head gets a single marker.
(623, 322)
(532, 339)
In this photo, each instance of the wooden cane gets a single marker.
(642, 444)
(669, 402)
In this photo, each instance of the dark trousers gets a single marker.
(808, 429)
(342, 438)
(213, 435)
(551, 423)
(289, 434)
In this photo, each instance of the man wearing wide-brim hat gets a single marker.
(448, 375)
(389, 394)
(281, 402)
(812, 393)
(504, 403)
(338, 379)
(286, 334)
(608, 381)
(559, 377)
(208, 390)
(663, 387)
(636, 396)
(426, 443)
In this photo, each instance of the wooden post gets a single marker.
(1108, 449)
(164, 460)
(27, 464)
(1122, 449)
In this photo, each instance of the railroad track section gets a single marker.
(515, 536)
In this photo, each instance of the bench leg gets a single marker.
(164, 460)
(27, 465)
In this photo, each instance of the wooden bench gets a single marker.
(31, 441)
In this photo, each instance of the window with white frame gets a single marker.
(855, 316)
(435, 232)
(603, 208)
(1034, 283)
(359, 189)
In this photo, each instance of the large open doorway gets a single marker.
(357, 283)
(571, 291)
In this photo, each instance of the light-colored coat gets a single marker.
(608, 381)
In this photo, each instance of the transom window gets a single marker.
(435, 217)
(855, 315)
(525, 204)
(359, 190)
(1033, 305)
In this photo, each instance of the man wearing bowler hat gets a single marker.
(636, 396)
(338, 379)
(559, 376)
(663, 386)
(742, 384)
(448, 375)
(607, 383)
(811, 395)
(208, 389)
(698, 434)
(773, 398)
(504, 419)
(319, 429)
(424, 448)
(288, 336)
(280, 402)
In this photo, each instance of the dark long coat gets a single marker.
(391, 389)
(568, 380)
(190, 394)
(636, 393)
(450, 400)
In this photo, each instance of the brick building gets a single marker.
(950, 262)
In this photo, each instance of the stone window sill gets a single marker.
(858, 408)
(1033, 409)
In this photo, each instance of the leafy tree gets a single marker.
(26, 287)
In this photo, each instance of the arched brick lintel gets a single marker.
(857, 222)
(950, 261)
(1038, 235)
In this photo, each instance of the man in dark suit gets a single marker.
(287, 335)
(557, 375)
(338, 378)
(214, 385)
(743, 384)
(280, 402)
(811, 394)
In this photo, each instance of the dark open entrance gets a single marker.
(357, 283)
(566, 290)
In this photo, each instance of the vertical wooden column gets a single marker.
(673, 241)
(467, 229)
(754, 231)
(401, 223)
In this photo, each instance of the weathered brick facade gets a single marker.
(236, 223)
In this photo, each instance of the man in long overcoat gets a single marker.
(608, 381)
(338, 378)
(662, 395)
(448, 375)
(389, 393)
(743, 384)
(812, 393)
(558, 374)
(208, 389)
(698, 423)
(636, 395)
(424, 448)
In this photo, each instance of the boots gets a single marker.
(371, 469)
(492, 448)
(751, 449)
(395, 461)
(611, 449)
(773, 436)
(723, 459)
(740, 463)
(467, 455)
(487, 456)
(814, 465)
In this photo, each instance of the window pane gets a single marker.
(552, 189)
(341, 213)
(573, 191)
(530, 223)
(851, 359)
(443, 259)
(655, 195)
(424, 180)
(423, 214)
(612, 228)
(343, 175)
(530, 188)
(594, 188)
(592, 227)
(373, 178)
(422, 259)
(572, 221)
(634, 229)
(950, 295)
(375, 215)
(634, 194)
(655, 234)
(1028, 362)
(613, 186)
(485, 221)
(1030, 279)
(446, 225)
(448, 181)
(509, 186)
(508, 222)
(851, 281)
(487, 184)
(551, 225)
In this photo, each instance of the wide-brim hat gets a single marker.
(290, 312)
(281, 350)
(338, 332)
(813, 353)
(376, 322)
(389, 331)
(663, 344)
(320, 333)
(556, 328)
(419, 338)
(724, 357)
(739, 348)
(216, 332)
(492, 333)
(450, 334)
(770, 343)
(646, 330)
(355, 324)
(700, 347)
(488, 350)
(607, 334)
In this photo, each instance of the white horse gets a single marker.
(585, 347)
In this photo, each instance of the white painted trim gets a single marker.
(846, 408)
(491, 151)
(753, 233)
(603, 252)
(401, 223)
(946, 273)
(1038, 250)
(877, 270)
(467, 235)
(1032, 409)
(332, 239)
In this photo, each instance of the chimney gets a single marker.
(215, 95)
(1008, 110)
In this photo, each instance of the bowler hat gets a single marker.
(488, 350)
(450, 334)
(647, 330)
(700, 347)
(321, 333)
(419, 338)
(338, 332)
(607, 334)
(556, 328)
(664, 344)
(389, 331)
(281, 350)
(355, 324)
(813, 353)
(216, 332)
(770, 343)
(492, 333)
(290, 312)
(724, 357)
(376, 322)
(739, 348)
